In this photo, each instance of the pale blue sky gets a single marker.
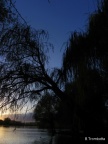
(59, 18)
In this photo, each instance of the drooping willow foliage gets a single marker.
(88, 50)
(24, 73)
(85, 67)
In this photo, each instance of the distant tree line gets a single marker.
(8, 122)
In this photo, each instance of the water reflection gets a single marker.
(61, 139)
(42, 141)
(23, 136)
(9, 135)
(57, 139)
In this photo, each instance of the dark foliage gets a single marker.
(85, 66)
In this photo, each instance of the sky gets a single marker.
(59, 17)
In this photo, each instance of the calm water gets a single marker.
(10, 135)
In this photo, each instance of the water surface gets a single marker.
(10, 135)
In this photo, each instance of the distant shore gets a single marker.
(9, 122)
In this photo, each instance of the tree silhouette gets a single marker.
(25, 75)
(24, 70)
(85, 65)
(45, 112)
(6, 13)
(7, 121)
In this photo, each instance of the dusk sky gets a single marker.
(59, 18)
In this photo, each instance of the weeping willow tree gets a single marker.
(6, 12)
(88, 50)
(85, 64)
(24, 72)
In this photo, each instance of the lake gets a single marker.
(10, 135)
